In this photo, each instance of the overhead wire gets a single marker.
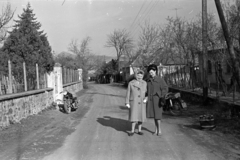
(149, 11)
(149, 5)
(137, 14)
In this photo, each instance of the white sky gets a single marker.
(63, 21)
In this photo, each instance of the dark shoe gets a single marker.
(131, 133)
(155, 134)
(140, 133)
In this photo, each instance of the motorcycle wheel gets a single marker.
(75, 105)
(67, 106)
(176, 109)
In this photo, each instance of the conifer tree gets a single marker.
(27, 43)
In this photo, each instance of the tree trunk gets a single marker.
(229, 41)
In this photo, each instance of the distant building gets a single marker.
(218, 61)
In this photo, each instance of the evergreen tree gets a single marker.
(26, 43)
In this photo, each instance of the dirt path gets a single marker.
(98, 130)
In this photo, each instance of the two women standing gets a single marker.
(139, 92)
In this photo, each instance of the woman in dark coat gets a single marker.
(156, 90)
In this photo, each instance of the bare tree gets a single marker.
(129, 52)
(83, 54)
(119, 39)
(229, 41)
(150, 42)
(5, 17)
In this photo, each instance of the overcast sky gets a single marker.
(64, 21)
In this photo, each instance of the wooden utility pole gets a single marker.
(233, 57)
(204, 51)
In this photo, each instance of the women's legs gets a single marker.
(157, 126)
(139, 126)
(133, 127)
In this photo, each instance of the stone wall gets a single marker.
(73, 87)
(15, 107)
(197, 98)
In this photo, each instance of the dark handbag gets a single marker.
(162, 101)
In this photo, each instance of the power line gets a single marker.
(146, 15)
(144, 10)
(138, 14)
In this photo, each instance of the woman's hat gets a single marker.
(152, 67)
(139, 71)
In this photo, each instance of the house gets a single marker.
(218, 64)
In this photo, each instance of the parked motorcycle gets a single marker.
(69, 102)
(174, 104)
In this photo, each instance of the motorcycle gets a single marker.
(69, 102)
(174, 104)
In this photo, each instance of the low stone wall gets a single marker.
(15, 107)
(194, 97)
(73, 87)
(190, 96)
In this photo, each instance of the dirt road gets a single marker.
(98, 130)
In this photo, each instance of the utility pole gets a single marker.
(204, 51)
(176, 9)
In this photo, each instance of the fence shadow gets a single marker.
(114, 95)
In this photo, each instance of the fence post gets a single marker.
(71, 75)
(37, 75)
(25, 76)
(10, 77)
(80, 75)
(55, 81)
(63, 74)
(67, 73)
(45, 80)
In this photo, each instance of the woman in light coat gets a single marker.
(136, 102)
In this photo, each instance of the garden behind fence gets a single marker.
(23, 79)
(184, 77)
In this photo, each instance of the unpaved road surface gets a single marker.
(98, 130)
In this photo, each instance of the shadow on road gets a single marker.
(118, 85)
(193, 126)
(123, 108)
(116, 123)
(106, 94)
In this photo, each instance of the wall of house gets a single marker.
(212, 72)
(226, 75)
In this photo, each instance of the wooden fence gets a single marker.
(10, 83)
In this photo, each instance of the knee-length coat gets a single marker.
(135, 95)
(156, 90)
